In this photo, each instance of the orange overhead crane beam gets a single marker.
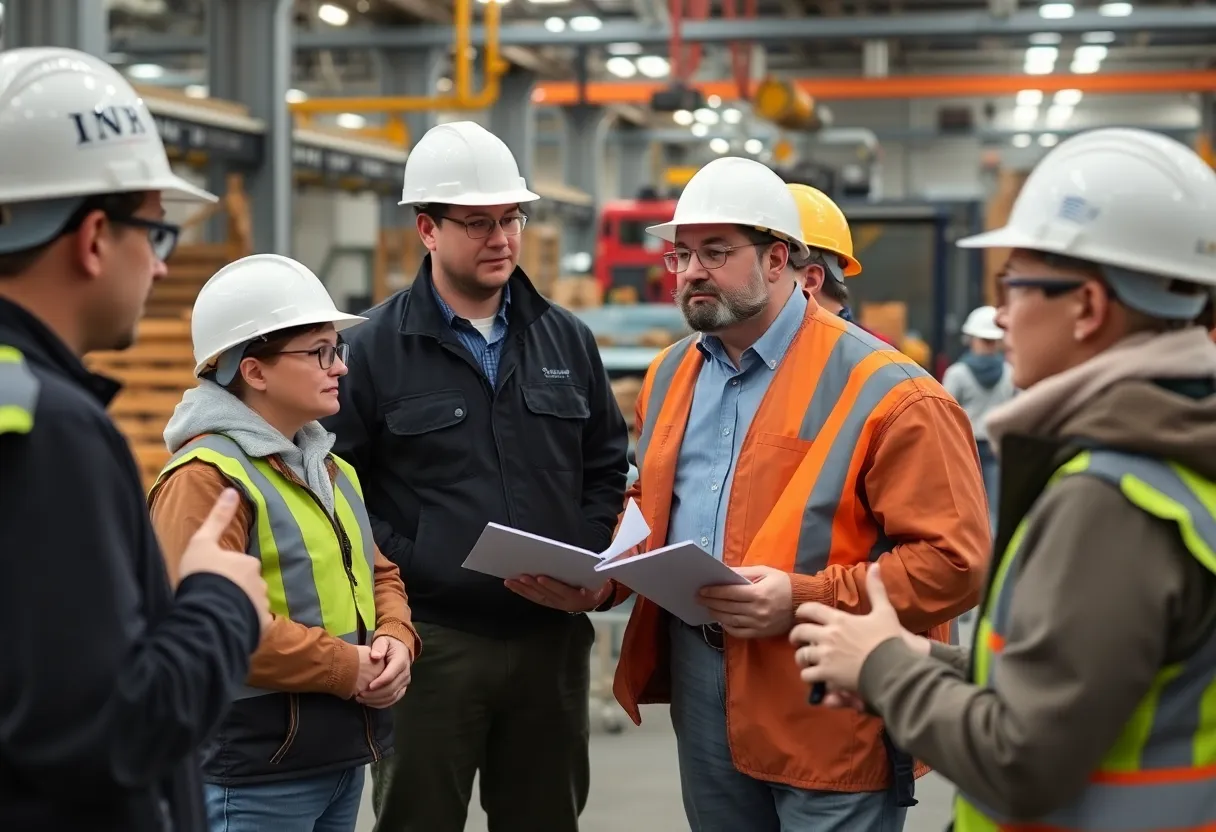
(921, 86)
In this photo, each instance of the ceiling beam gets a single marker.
(935, 25)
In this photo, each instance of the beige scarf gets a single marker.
(1044, 408)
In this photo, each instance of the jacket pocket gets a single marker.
(774, 459)
(429, 436)
(293, 728)
(557, 415)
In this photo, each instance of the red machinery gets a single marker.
(627, 257)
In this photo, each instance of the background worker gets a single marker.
(1087, 705)
(829, 259)
(110, 679)
(471, 399)
(798, 485)
(980, 381)
(291, 752)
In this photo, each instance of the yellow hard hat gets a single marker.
(824, 226)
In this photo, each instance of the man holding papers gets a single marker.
(798, 449)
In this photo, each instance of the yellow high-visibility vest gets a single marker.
(18, 392)
(318, 569)
(1161, 772)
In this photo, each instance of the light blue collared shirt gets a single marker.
(724, 402)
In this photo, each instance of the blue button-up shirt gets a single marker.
(488, 352)
(724, 402)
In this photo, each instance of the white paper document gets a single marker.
(509, 553)
(671, 577)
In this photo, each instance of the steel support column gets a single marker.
(583, 138)
(635, 164)
(412, 73)
(513, 118)
(75, 24)
(249, 61)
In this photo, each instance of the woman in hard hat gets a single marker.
(1088, 701)
(980, 381)
(291, 752)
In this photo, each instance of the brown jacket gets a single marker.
(1107, 596)
(292, 657)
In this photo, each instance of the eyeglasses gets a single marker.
(326, 353)
(162, 236)
(711, 256)
(482, 227)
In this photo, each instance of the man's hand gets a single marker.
(204, 554)
(552, 593)
(763, 608)
(390, 685)
(833, 645)
(369, 668)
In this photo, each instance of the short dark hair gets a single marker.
(832, 288)
(122, 205)
(434, 210)
(267, 348)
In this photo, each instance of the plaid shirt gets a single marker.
(487, 352)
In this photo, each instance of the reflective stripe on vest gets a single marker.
(18, 392)
(1161, 772)
(826, 409)
(297, 541)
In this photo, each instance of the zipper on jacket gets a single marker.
(502, 472)
(371, 741)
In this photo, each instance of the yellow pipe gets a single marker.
(464, 98)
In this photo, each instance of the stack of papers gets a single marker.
(670, 577)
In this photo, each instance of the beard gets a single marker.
(727, 307)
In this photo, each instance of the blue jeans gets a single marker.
(326, 803)
(720, 798)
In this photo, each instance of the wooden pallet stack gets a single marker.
(189, 268)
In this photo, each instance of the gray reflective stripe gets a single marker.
(360, 511)
(249, 692)
(1143, 807)
(295, 563)
(815, 535)
(659, 385)
(18, 386)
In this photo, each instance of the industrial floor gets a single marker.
(635, 785)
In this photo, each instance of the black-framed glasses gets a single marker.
(1050, 287)
(326, 353)
(481, 227)
(162, 236)
(710, 256)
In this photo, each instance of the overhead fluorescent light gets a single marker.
(196, 90)
(682, 118)
(1084, 67)
(1025, 116)
(1056, 11)
(753, 146)
(1089, 53)
(444, 84)
(1030, 98)
(1115, 9)
(1069, 98)
(500, 2)
(1058, 115)
(653, 66)
(1098, 37)
(714, 101)
(1046, 38)
(706, 116)
(732, 116)
(621, 67)
(146, 72)
(624, 49)
(548, 2)
(1040, 60)
(351, 121)
(1049, 139)
(333, 15)
(1021, 140)
(555, 24)
(699, 130)
(296, 96)
(586, 23)
(719, 145)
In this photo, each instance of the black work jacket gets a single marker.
(441, 452)
(109, 681)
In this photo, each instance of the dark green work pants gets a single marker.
(514, 709)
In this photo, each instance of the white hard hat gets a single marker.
(72, 127)
(981, 323)
(736, 191)
(255, 296)
(1135, 202)
(462, 163)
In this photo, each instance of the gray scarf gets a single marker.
(210, 408)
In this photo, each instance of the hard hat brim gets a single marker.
(1005, 237)
(175, 189)
(667, 231)
(478, 200)
(340, 320)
